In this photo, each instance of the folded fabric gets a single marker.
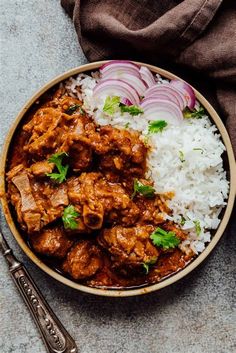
(193, 38)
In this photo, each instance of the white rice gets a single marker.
(199, 182)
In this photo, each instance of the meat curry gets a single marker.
(72, 186)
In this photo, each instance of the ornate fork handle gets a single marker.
(55, 336)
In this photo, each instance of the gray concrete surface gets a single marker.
(197, 315)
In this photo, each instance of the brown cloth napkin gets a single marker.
(194, 38)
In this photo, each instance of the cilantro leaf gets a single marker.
(58, 177)
(131, 109)
(181, 156)
(73, 108)
(198, 149)
(146, 265)
(57, 157)
(145, 190)
(62, 170)
(111, 104)
(183, 220)
(166, 240)
(69, 217)
(197, 227)
(157, 126)
(198, 114)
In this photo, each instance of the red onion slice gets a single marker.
(187, 90)
(168, 92)
(161, 109)
(125, 101)
(121, 62)
(119, 67)
(119, 88)
(132, 80)
(147, 76)
(119, 73)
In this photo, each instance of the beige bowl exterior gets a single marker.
(118, 292)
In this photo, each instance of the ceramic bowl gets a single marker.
(230, 163)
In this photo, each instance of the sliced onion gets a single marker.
(119, 73)
(147, 76)
(132, 80)
(168, 92)
(187, 90)
(161, 109)
(125, 101)
(119, 88)
(120, 62)
(163, 95)
(119, 67)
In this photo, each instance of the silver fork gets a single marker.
(54, 334)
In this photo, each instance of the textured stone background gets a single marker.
(197, 315)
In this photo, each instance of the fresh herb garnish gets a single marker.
(146, 265)
(69, 217)
(127, 125)
(156, 126)
(197, 114)
(111, 104)
(131, 109)
(197, 227)
(62, 169)
(181, 156)
(166, 240)
(145, 190)
(198, 149)
(183, 220)
(73, 108)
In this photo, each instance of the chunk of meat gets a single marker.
(83, 260)
(50, 128)
(44, 130)
(51, 199)
(80, 152)
(152, 210)
(127, 142)
(101, 199)
(39, 169)
(59, 197)
(80, 157)
(21, 181)
(29, 220)
(129, 246)
(51, 242)
(121, 151)
(22, 198)
(171, 227)
(37, 202)
(93, 216)
(66, 102)
(118, 149)
(32, 220)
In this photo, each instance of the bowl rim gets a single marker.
(117, 292)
